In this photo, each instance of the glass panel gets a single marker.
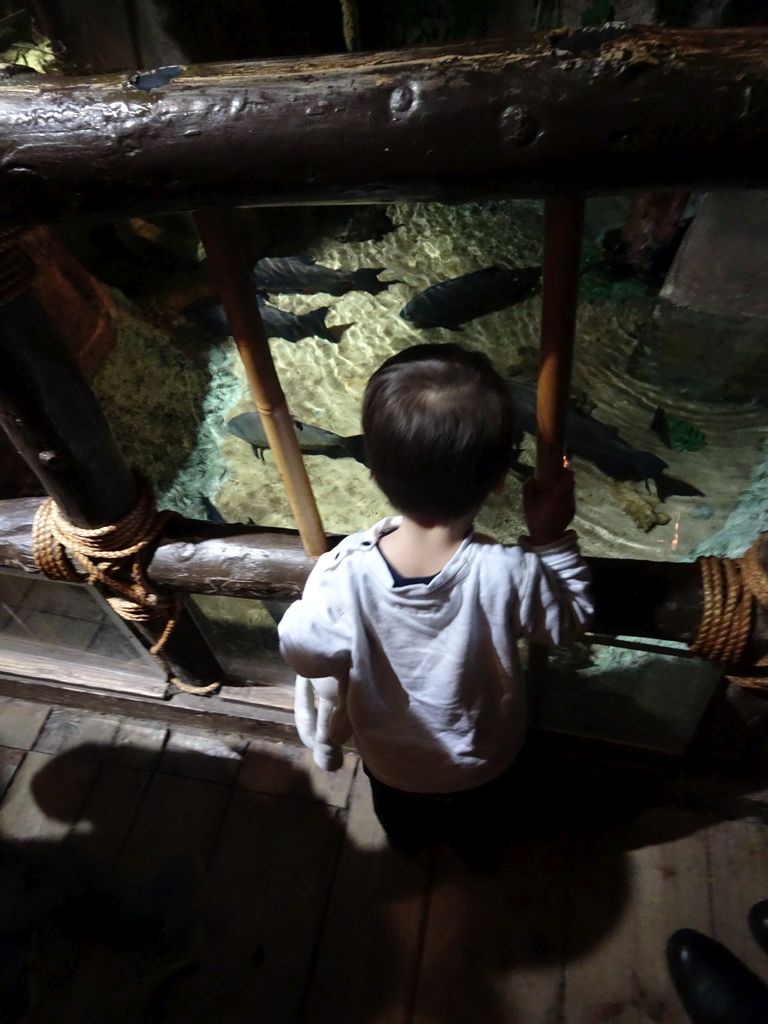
(40, 617)
(243, 635)
(667, 432)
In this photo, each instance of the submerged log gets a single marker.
(655, 600)
(583, 110)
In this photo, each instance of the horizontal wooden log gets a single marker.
(656, 600)
(584, 110)
(199, 557)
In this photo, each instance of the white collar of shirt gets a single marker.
(378, 568)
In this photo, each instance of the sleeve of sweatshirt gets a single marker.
(314, 635)
(554, 599)
(320, 713)
(315, 642)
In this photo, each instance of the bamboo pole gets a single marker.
(230, 268)
(563, 225)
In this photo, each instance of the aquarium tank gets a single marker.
(668, 425)
(667, 428)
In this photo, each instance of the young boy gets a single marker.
(406, 633)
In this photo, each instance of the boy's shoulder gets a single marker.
(355, 543)
(490, 550)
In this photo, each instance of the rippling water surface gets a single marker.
(324, 384)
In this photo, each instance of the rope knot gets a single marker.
(114, 557)
(730, 587)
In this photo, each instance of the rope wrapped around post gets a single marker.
(730, 587)
(115, 557)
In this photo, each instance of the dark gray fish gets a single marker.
(587, 437)
(156, 79)
(278, 323)
(601, 445)
(312, 440)
(300, 274)
(212, 514)
(454, 302)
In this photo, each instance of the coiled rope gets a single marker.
(116, 558)
(730, 587)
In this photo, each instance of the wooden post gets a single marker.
(563, 224)
(54, 421)
(220, 237)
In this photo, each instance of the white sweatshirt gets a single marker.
(427, 676)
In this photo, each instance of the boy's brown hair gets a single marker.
(440, 429)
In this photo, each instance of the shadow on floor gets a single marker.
(177, 898)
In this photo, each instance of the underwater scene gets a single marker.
(668, 464)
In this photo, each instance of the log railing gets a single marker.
(654, 600)
(584, 111)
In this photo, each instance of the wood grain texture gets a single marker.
(368, 954)
(569, 110)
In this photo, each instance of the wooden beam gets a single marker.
(563, 223)
(590, 111)
(656, 600)
(563, 226)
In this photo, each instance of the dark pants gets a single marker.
(472, 820)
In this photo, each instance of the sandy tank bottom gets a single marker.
(172, 421)
(324, 383)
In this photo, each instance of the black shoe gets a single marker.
(758, 923)
(714, 986)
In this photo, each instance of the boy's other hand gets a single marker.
(548, 513)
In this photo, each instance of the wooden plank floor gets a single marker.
(277, 900)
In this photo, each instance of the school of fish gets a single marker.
(447, 304)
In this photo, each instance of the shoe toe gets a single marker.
(714, 986)
(758, 923)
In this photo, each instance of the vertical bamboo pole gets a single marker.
(223, 246)
(563, 225)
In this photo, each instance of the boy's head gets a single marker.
(440, 428)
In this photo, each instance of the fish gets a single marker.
(278, 323)
(459, 299)
(586, 437)
(602, 445)
(312, 440)
(301, 275)
(212, 514)
(148, 80)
